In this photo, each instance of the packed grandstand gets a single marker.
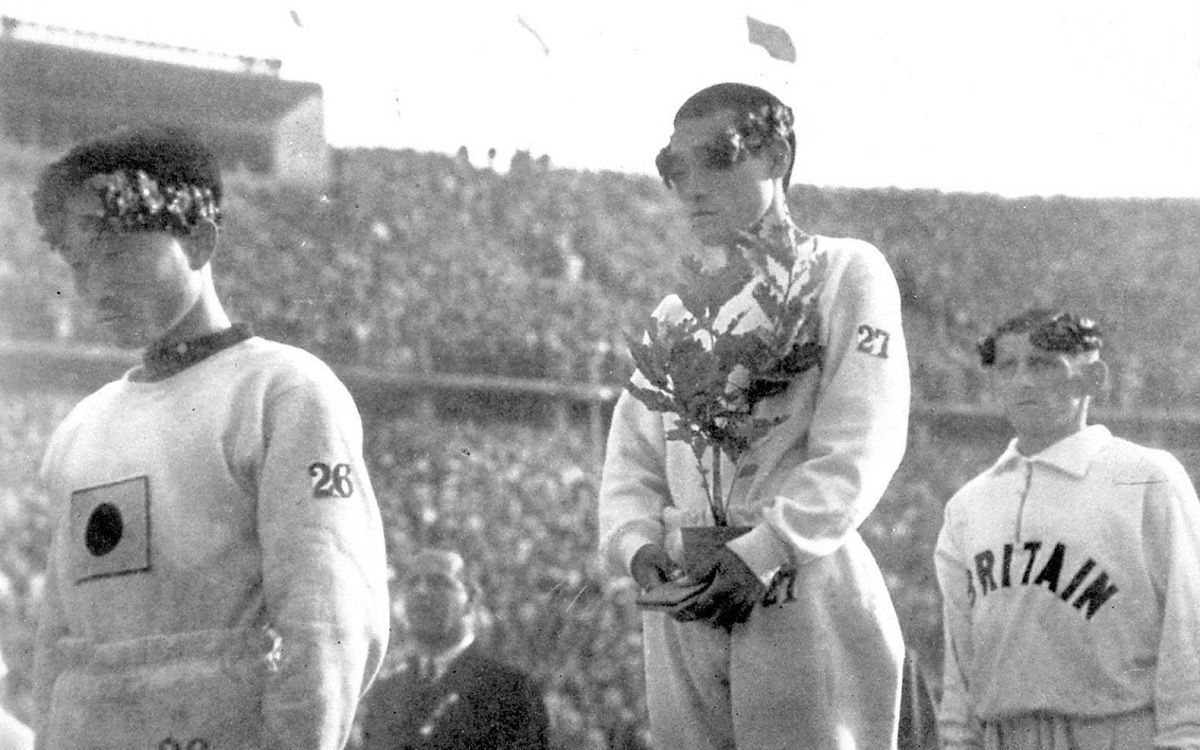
(421, 263)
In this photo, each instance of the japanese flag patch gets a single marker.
(110, 530)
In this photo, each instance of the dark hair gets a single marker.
(163, 178)
(1051, 329)
(466, 573)
(759, 115)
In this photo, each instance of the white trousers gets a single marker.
(819, 672)
(200, 690)
(1131, 731)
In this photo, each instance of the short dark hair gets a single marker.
(165, 179)
(465, 572)
(760, 117)
(1051, 329)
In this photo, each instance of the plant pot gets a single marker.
(702, 543)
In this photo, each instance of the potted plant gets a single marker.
(709, 364)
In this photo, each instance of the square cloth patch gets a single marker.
(110, 530)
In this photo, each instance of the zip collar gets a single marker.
(1073, 455)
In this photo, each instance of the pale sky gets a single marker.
(1076, 97)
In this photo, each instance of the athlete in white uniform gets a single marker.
(217, 574)
(1070, 569)
(807, 650)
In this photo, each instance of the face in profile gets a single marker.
(721, 195)
(1043, 393)
(139, 284)
(435, 598)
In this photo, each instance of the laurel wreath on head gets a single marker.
(133, 201)
(758, 128)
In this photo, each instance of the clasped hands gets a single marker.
(732, 592)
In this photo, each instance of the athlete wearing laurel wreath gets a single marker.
(1069, 569)
(792, 640)
(217, 575)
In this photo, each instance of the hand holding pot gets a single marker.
(731, 595)
(651, 566)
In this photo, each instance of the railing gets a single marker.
(78, 370)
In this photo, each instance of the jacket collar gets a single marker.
(780, 231)
(434, 666)
(1072, 455)
(162, 361)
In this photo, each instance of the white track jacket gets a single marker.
(1071, 586)
(820, 472)
(217, 576)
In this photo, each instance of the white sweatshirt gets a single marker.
(1071, 586)
(820, 472)
(200, 521)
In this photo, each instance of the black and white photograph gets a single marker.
(531, 375)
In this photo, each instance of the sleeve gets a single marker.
(1171, 534)
(14, 735)
(633, 484)
(857, 432)
(324, 565)
(51, 619)
(957, 725)
(51, 627)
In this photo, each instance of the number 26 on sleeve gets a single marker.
(330, 481)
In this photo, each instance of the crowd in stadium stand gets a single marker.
(415, 262)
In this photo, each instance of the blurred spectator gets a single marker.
(450, 694)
